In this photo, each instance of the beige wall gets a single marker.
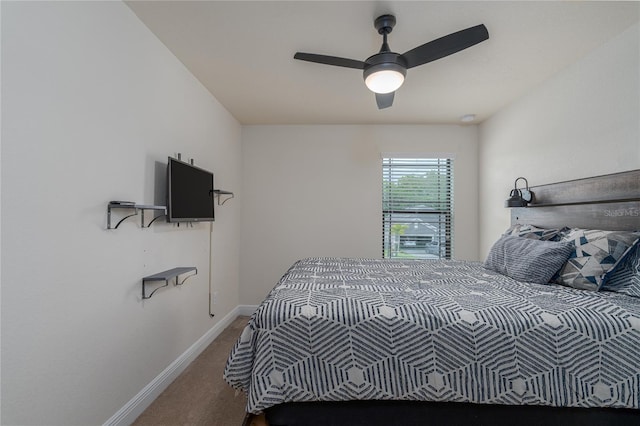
(317, 191)
(92, 105)
(585, 121)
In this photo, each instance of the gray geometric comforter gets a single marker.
(343, 329)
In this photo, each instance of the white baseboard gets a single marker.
(246, 310)
(132, 409)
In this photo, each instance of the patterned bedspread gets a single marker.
(343, 329)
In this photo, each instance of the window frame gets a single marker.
(438, 166)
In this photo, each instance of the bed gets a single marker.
(370, 341)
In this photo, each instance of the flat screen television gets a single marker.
(189, 193)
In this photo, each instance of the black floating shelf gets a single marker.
(218, 193)
(166, 276)
(136, 208)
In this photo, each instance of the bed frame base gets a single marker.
(413, 413)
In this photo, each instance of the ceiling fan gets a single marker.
(384, 72)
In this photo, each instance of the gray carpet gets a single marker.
(199, 396)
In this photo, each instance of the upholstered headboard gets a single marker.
(609, 202)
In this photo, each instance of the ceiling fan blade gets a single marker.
(445, 46)
(330, 60)
(384, 100)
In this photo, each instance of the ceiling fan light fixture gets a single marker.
(384, 71)
(384, 78)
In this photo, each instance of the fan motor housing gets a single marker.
(386, 60)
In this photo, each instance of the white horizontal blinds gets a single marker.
(417, 210)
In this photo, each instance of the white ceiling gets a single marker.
(242, 52)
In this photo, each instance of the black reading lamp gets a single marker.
(519, 197)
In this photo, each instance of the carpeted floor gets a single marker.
(199, 396)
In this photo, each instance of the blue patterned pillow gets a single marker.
(625, 278)
(533, 232)
(596, 255)
(526, 259)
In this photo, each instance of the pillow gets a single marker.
(526, 259)
(625, 278)
(533, 232)
(596, 255)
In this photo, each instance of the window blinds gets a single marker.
(417, 210)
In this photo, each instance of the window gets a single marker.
(417, 208)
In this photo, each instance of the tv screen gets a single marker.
(189, 193)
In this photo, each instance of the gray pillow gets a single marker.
(529, 260)
(533, 232)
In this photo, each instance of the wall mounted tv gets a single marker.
(189, 193)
